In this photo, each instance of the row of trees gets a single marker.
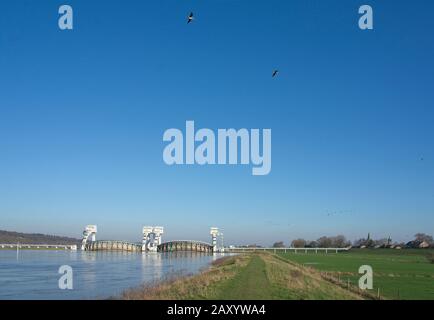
(419, 238)
(341, 242)
(324, 242)
(338, 241)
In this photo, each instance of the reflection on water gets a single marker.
(100, 274)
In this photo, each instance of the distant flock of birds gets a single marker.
(190, 19)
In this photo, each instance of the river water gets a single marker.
(34, 274)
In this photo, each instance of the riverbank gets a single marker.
(14, 238)
(260, 276)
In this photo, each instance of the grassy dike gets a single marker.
(246, 277)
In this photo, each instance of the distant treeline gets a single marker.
(8, 237)
(421, 240)
(322, 242)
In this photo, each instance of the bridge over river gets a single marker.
(170, 246)
(113, 245)
(151, 241)
(186, 245)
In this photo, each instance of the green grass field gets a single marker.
(400, 274)
(250, 283)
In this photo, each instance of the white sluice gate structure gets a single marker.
(151, 238)
(89, 232)
(214, 232)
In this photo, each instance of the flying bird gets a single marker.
(190, 18)
(333, 213)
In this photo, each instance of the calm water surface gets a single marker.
(96, 275)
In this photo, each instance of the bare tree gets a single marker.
(340, 242)
(311, 244)
(424, 237)
(359, 242)
(324, 242)
(279, 244)
(298, 243)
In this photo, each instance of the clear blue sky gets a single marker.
(82, 115)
